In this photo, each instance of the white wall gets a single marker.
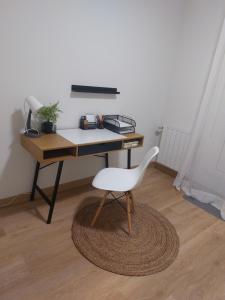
(48, 45)
(202, 21)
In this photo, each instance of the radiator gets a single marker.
(173, 145)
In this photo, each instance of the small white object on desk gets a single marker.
(91, 118)
(81, 137)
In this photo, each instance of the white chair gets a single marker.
(122, 180)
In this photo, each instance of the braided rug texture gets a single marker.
(152, 246)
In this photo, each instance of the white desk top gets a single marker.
(79, 136)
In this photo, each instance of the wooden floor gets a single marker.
(39, 261)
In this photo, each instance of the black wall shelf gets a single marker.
(94, 89)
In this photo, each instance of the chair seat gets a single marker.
(115, 180)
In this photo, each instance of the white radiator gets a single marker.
(172, 147)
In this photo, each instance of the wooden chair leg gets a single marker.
(99, 209)
(132, 201)
(128, 212)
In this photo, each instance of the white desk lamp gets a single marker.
(34, 106)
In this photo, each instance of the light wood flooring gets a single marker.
(39, 261)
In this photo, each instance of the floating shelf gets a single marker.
(94, 89)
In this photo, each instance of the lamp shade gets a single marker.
(33, 103)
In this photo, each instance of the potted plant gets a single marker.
(49, 116)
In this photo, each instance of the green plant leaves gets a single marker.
(50, 113)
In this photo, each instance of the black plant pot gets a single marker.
(48, 127)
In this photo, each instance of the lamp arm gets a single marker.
(28, 122)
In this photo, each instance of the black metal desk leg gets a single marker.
(55, 191)
(35, 181)
(107, 160)
(128, 158)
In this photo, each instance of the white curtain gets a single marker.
(202, 174)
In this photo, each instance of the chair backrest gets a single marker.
(140, 170)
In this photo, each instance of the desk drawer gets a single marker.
(99, 148)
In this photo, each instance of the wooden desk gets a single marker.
(71, 144)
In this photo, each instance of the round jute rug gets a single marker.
(152, 246)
